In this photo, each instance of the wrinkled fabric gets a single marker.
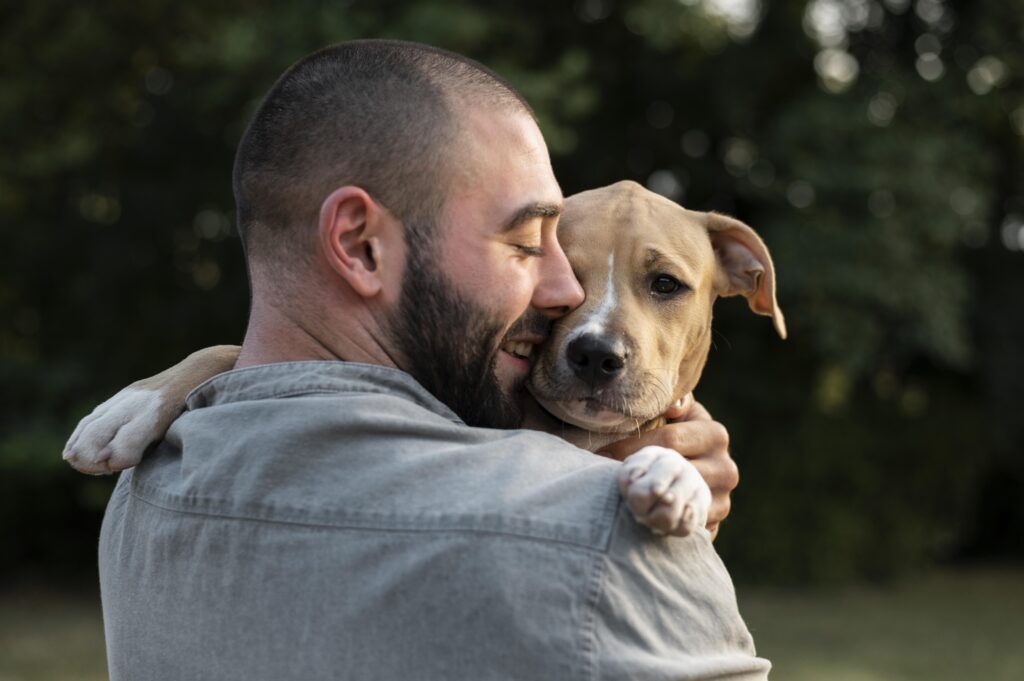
(330, 520)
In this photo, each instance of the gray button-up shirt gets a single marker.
(329, 520)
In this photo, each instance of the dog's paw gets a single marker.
(664, 491)
(115, 435)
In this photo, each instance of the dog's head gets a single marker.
(651, 271)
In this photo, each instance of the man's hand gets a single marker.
(705, 442)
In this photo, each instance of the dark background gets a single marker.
(877, 146)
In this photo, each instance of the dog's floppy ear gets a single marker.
(747, 266)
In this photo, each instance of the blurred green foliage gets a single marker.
(877, 146)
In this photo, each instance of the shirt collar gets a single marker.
(290, 379)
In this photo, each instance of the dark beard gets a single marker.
(451, 345)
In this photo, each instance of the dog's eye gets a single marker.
(665, 285)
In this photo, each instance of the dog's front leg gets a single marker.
(117, 432)
(664, 491)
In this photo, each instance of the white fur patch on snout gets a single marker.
(115, 435)
(596, 322)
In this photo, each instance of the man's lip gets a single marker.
(533, 340)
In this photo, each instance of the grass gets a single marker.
(962, 625)
(50, 634)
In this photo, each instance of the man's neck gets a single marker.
(275, 335)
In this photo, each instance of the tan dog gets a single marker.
(651, 271)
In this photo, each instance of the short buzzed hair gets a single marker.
(377, 114)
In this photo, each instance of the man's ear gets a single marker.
(351, 238)
(745, 266)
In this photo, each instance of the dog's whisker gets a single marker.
(716, 333)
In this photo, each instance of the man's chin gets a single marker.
(514, 396)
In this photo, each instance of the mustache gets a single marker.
(532, 323)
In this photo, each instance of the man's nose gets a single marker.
(557, 292)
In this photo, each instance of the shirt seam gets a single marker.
(593, 550)
(595, 589)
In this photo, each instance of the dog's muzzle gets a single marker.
(596, 360)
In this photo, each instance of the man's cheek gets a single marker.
(522, 285)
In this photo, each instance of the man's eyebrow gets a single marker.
(531, 211)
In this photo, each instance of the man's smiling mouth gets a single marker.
(520, 349)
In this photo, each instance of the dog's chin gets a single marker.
(588, 414)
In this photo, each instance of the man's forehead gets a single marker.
(495, 135)
(502, 166)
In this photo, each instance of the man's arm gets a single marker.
(705, 442)
(667, 609)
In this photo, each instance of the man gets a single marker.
(366, 519)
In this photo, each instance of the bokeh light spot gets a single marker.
(741, 16)
(590, 11)
(103, 208)
(837, 69)
(211, 225)
(695, 143)
(881, 203)
(927, 43)
(882, 108)
(800, 194)
(1017, 118)
(667, 183)
(660, 114)
(159, 81)
(988, 73)
(739, 155)
(206, 274)
(930, 67)
(930, 11)
(1013, 233)
(964, 202)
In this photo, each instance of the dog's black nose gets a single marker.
(596, 360)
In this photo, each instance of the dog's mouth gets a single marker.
(588, 413)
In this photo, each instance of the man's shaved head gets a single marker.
(378, 114)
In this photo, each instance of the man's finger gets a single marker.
(696, 438)
(695, 411)
(689, 438)
(720, 472)
(680, 410)
(719, 509)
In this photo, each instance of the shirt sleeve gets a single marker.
(665, 608)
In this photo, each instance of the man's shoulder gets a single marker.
(356, 456)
